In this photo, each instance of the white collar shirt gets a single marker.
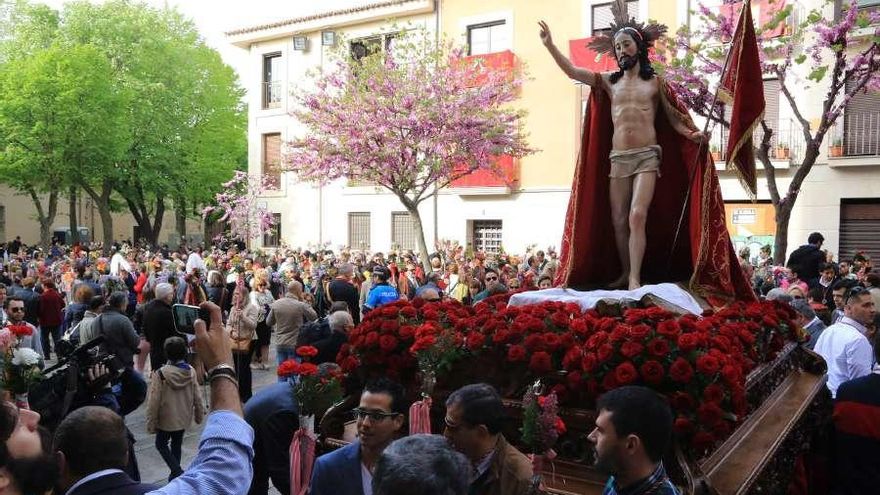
(93, 476)
(846, 351)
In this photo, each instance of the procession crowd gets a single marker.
(67, 296)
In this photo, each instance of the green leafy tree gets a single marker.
(57, 116)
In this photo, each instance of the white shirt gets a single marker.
(366, 480)
(195, 261)
(847, 352)
(116, 261)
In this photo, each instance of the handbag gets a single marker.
(239, 344)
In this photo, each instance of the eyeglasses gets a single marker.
(362, 414)
(855, 291)
(489, 279)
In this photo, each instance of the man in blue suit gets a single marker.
(349, 470)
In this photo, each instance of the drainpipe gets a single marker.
(437, 43)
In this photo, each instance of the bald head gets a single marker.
(346, 270)
(430, 295)
(295, 290)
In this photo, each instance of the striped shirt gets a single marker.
(223, 463)
(656, 484)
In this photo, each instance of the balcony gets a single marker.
(786, 147)
(855, 135)
(271, 94)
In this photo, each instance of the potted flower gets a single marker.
(715, 150)
(782, 150)
(836, 149)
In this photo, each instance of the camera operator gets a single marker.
(122, 341)
(92, 447)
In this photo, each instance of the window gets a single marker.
(359, 230)
(489, 37)
(861, 123)
(487, 236)
(365, 47)
(602, 16)
(271, 166)
(272, 78)
(403, 230)
(272, 238)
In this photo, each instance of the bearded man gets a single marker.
(636, 132)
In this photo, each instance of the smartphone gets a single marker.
(185, 317)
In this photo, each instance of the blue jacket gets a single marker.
(339, 472)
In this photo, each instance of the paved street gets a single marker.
(152, 467)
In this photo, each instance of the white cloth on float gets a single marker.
(671, 293)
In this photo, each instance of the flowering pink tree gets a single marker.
(239, 207)
(842, 57)
(412, 120)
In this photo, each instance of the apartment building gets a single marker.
(839, 197)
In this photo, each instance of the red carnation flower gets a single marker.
(475, 341)
(22, 330)
(625, 373)
(572, 358)
(657, 313)
(604, 352)
(588, 362)
(682, 425)
(609, 382)
(408, 312)
(708, 365)
(730, 374)
(631, 349)
(307, 369)
(422, 343)
(560, 426)
(652, 372)
(703, 441)
(551, 341)
(307, 351)
(658, 347)
(713, 393)
(288, 368)
(516, 353)
(681, 371)
(596, 340)
(579, 326)
(559, 319)
(574, 380)
(709, 413)
(540, 363)
(640, 332)
(371, 339)
(349, 364)
(669, 329)
(387, 343)
(682, 401)
(406, 332)
(534, 342)
(688, 341)
(389, 326)
(634, 315)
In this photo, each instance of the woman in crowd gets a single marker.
(262, 298)
(241, 326)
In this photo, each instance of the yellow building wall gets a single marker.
(552, 100)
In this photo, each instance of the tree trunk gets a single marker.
(780, 244)
(46, 216)
(102, 203)
(180, 216)
(413, 209)
(74, 227)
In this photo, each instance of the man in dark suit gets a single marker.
(808, 258)
(157, 323)
(349, 470)
(341, 289)
(93, 450)
(807, 319)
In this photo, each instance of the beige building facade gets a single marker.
(839, 197)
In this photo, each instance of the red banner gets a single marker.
(743, 86)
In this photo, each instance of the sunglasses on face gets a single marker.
(362, 414)
(489, 279)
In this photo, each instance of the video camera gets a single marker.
(67, 383)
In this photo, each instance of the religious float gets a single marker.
(746, 395)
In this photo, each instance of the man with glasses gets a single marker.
(844, 345)
(349, 470)
(474, 417)
(493, 285)
(15, 312)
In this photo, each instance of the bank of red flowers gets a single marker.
(699, 363)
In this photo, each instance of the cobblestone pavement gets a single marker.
(151, 465)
